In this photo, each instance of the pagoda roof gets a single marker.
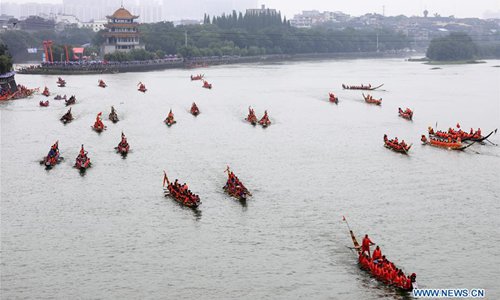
(122, 13)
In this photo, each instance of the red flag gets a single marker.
(458, 125)
(343, 218)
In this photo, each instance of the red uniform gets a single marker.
(365, 245)
(377, 254)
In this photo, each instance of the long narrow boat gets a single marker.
(197, 77)
(395, 146)
(480, 139)
(53, 158)
(332, 98)
(369, 99)
(361, 87)
(441, 143)
(22, 92)
(406, 114)
(409, 287)
(67, 117)
(234, 187)
(474, 136)
(184, 198)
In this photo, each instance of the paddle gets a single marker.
(486, 138)
(406, 151)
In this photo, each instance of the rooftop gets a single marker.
(122, 13)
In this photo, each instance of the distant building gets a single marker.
(66, 21)
(96, 26)
(310, 18)
(261, 10)
(123, 32)
(7, 22)
(35, 23)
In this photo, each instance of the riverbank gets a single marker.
(427, 61)
(455, 62)
(162, 64)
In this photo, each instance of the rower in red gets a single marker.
(365, 245)
(377, 253)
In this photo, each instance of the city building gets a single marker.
(123, 32)
(96, 25)
(310, 18)
(261, 10)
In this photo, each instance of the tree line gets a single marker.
(266, 33)
(239, 34)
(5, 59)
(454, 47)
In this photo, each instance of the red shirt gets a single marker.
(366, 242)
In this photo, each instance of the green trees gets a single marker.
(456, 46)
(136, 54)
(257, 34)
(5, 59)
(18, 41)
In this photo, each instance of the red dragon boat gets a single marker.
(142, 87)
(82, 160)
(123, 146)
(405, 114)
(194, 110)
(395, 145)
(197, 77)
(447, 143)
(473, 135)
(234, 187)
(53, 157)
(46, 92)
(369, 99)
(207, 85)
(101, 83)
(170, 119)
(61, 82)
(21, 92)
(98, 125)
(332, 98)
(382, 269)
(264, 121)
(180, 193)
(251, 118)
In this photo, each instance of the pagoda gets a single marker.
(122, 32)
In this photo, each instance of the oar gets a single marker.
(406, 151)
(486, 138)
(463, 148)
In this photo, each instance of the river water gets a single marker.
(112, 234)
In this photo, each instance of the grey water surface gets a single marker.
(111, 234)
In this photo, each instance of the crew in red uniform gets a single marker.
(365, 245)
(377, 253)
